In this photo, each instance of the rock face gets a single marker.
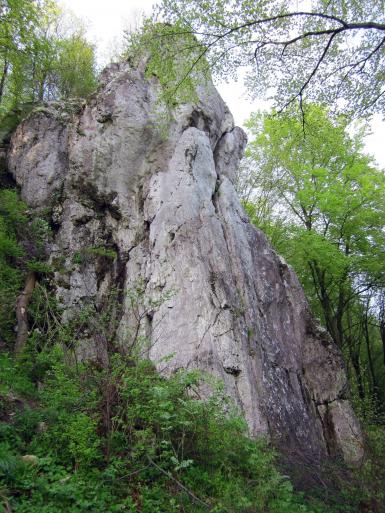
(162, 201)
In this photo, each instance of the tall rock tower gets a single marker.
(162, 200)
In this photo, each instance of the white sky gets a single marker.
(106, 20)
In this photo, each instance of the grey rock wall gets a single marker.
(163, 199)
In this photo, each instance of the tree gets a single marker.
(75, 59)
(42, 56)
(18, 20)
(323, 208)
(326, 51)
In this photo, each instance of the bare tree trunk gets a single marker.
(21, 312)
(354, 347)
(330, 317)
(382, 333)
(369, 350)
(356, 364)
(382, 324)
(3, 78)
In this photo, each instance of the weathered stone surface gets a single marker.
(38, 159)
(167, 206)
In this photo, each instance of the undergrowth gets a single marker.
(77, 438)
(80, 438)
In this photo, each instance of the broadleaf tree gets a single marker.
(316, 50)
(323, 208)
(42, 56)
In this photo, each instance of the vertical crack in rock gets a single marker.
(168, 209)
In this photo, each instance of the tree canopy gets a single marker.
(320, 199)
(43, 56)
(325, 51)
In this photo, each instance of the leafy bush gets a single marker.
(123, 438)
(22, 248)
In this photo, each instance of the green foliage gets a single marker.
(174, 56)
(124, 438)
(22, 248)
(75, 73)
(43, 56)
(82, 256)
(12, 219)
(329, 52)
(373, 471)
(13, 381)
(320, 201)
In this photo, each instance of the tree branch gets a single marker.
(170, 476)
(312, 74)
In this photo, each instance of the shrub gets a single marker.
(124, 438)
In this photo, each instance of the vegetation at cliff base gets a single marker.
(76, 438)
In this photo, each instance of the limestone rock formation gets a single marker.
(161, 196)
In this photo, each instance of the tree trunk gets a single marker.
(382, 323)
(3, 78)
(382, 333)
(354, 347)
(40, 94)
(357, 370)
(334, 330)
(21, 312)
(369, 351)
(341, 307)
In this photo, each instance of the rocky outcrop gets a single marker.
(153, 199)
